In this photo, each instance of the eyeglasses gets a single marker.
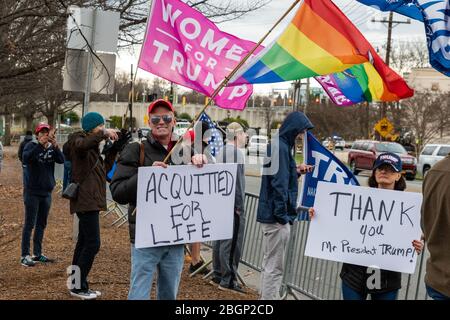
(166, 118)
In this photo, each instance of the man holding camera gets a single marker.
(40, 158)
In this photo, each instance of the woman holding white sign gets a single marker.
(360, 281)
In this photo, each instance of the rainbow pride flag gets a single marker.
(321, 40)
(370, 81)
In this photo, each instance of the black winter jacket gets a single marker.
(88, 169)
(124, 182)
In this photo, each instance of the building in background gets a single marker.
(424, 79)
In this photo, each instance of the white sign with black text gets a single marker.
(185, 204)
(365, 226)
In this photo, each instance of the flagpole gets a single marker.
(224, 83)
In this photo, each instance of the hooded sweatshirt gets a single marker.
(279, 184)
(40, 164)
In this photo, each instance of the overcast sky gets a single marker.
(254, 25)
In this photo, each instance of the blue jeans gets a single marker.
(36, 214)
(167, 260)
(350, 294)
(24, 179)
(436, 295)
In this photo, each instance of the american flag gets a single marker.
(216, 140)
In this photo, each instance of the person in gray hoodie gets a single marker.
(227, 253)
(278, 200)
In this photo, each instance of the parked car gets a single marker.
(363, 153)
(257, 145)
(431, 154)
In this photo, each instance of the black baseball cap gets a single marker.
(389, 158)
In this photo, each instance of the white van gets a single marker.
(431, 154)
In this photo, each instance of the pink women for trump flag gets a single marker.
(183, 46)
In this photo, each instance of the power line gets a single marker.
(391, 24)
(353, 9)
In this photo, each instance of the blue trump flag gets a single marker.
(327, 167)
(435, 14)
(405, 7)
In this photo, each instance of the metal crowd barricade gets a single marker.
(119, 211)
(315, 278)
(59, 177)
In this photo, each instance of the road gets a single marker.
(253, 181)
(252, 184)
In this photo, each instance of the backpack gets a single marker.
(110, 173)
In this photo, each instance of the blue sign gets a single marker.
(327, 167)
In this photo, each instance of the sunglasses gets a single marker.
(166, 118)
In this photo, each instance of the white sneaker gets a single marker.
(27, 261)
(84, 295)
(97, 293)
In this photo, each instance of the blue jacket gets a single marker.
(40, 171)
(279, 184)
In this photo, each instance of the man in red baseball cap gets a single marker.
(167, 260)
(39, 158)
(42, 126)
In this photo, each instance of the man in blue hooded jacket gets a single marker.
(278, 200)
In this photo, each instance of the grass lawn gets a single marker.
(298, 158)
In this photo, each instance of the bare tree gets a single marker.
(32, 47)
(406, 55)
(269, 111)
(428, 116)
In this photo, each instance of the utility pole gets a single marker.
(297, 99)
(89, 71)
(171, 92)
(130, 101)
(391, 23)
(306, 97)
